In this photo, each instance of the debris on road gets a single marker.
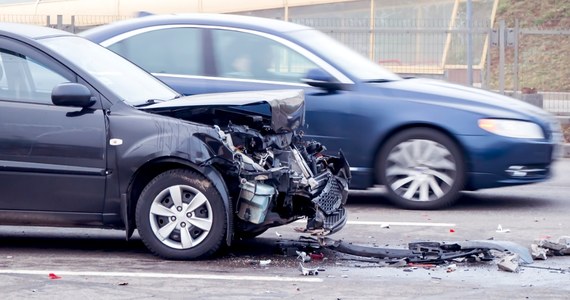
(123, 283)
(451, 268)
(509, 263)
(538, 252)
(264, 262)
(308, 271)
(53, 276)
(302, 256)
(317, 256)
(500, 229)
(558, 248)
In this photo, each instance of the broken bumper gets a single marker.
(330, 198)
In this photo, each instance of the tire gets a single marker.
(181, 216)
(421, 168)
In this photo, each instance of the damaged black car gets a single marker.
(91, 140)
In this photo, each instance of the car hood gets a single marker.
(287, 106)
(486, 103)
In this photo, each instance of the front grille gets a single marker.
(334, 220)
(330, 198)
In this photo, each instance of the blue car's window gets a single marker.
(245, 55)
(171, 51)
(23, 79)
(347, 59)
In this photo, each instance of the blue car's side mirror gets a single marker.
(321, 79)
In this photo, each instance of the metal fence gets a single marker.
(511, 60)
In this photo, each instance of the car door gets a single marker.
(228, 60)
(52, 158)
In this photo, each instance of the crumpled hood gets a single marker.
(287, 106)
(448, 94)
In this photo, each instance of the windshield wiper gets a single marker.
(149, 102)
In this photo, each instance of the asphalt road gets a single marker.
(97, 264)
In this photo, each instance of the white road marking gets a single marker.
(376, 223)
(161, 275)
(401, 223)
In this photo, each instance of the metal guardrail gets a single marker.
(503, 58)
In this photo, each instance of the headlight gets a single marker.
(512, 128)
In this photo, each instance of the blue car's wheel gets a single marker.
(422, 169)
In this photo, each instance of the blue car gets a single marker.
(425, 140)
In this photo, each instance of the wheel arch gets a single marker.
(397, 130)
(153, 168)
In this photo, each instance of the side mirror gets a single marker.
(321, 79)
(71, 94)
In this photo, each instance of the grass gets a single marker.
(543, 59)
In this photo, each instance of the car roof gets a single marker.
(29, 31)
(101, 33)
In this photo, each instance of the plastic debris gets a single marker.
(554, 247)
(308, 271)
(317, 256)
(302, 256)
(278, 234)
(509, 263)
(451, 268)
(451, 230)
(264, 262)
(385, 225)
(123, 283)
(501, 230)
(53, 276)
(538, 252)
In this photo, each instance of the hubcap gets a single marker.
(420, 170)
(181, 217)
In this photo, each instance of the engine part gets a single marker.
(254, 199)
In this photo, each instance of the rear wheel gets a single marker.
(422, 169)
(180, 215)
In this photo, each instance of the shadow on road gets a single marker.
(475, 201)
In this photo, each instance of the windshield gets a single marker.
(345, 58)
(132, 84)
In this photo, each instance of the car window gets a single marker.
(22, 78)
(246, 55)
(171, 51)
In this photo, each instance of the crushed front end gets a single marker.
(280, 184)
(274, 177)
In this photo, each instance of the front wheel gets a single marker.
(181, 215)
(422, 169)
